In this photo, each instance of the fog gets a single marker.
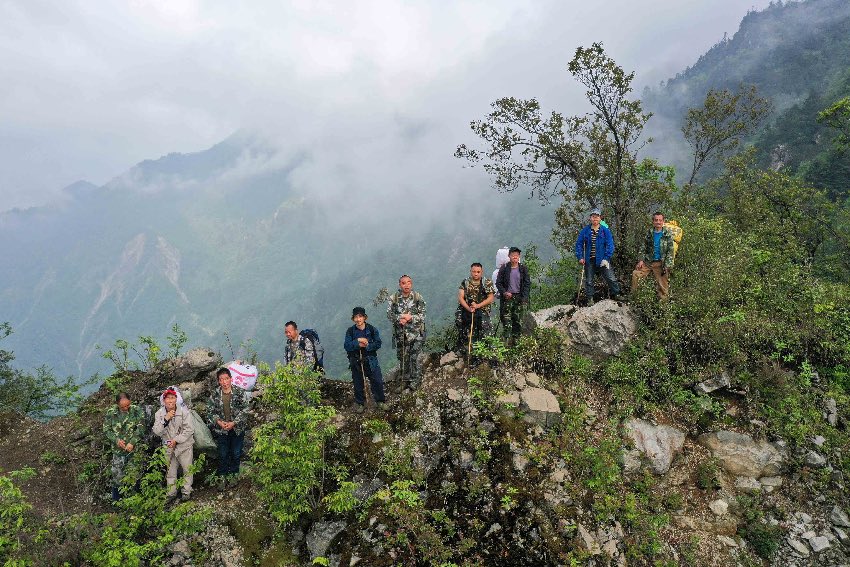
(370, 98)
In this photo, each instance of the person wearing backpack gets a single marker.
(656, 255)
(173, 424)
(362, 342)
(594, 250)
(228, 415)
(406, 312)
(474, 297)
(303, 347)
(514, 286)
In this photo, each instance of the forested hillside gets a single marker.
(796, 54)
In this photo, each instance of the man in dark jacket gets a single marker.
(362, 342)
(228, 416)
(594, 250)
(514, 285)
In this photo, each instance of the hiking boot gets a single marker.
(171, 499)
(383, 406)
(185, 497)
(358, 408)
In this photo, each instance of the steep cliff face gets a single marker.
(522, 461)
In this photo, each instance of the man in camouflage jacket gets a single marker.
(656, 256)
(406, 312)
(228, 416)
(124, 427)
(474, 297)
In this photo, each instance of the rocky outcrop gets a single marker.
(741, 455)
(190, 367)
(540, 406)
(658, 443)
(601, 330)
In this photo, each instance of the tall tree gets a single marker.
(588, 160)
(716, 129)
(838, 116)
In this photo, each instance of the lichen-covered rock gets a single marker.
(716, 382)
(320, 537)
(555, 317)
(741, 455)
(603, 329)
(660, 443)
(191, 367)
(541, 406)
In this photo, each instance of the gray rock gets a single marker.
(631, 461)
(353, 561)
(511, 398)
(815, 460)
(320, 537)
(831, 412)
(541, 406)
(727, 541)
(841, 535)
(519, 381)
(603, 329)
(660, 443)
(809, 535)
(454, 395)
(719, 507)
(740, 455)
(773, 481)
(747, 484)
(192, 366)
(520, 462)
(587, 542)
(839, 518)
(799, 547)
(819, 440)
(532, 379)
(448, 358)
(610, 548)
(716, 382)
(819, 543)
(555, 317)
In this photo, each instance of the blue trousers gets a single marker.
(373, 372)
(590, 271)
(229, 451)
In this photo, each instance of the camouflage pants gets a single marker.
(511, 312)
(480, 329)
(409, 370)
(119, 463)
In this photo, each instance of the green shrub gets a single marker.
(288, 451)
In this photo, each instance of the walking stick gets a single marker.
(469, 346)
(363, 377)
(403, 359)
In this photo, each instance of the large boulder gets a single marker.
(191, 367)
(659, 443)
(741, 455)
(540, 406)
(603, 329)
(321, 535)
(555, 317)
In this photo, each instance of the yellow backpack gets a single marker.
(677, 232)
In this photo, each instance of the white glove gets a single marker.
(604, 264)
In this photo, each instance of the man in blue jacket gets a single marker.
(594, 250)
(362, 342)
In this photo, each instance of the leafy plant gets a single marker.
(288, 451)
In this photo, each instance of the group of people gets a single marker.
(406, 311)
(124, 428)
(595, 249)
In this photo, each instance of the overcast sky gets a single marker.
(92, 87)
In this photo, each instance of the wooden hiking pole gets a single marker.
(403, 360)
(363, 378)
(469, 346)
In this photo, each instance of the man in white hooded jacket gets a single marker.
(173, 424)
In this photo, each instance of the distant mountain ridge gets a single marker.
(796, 54)
(220, 241)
